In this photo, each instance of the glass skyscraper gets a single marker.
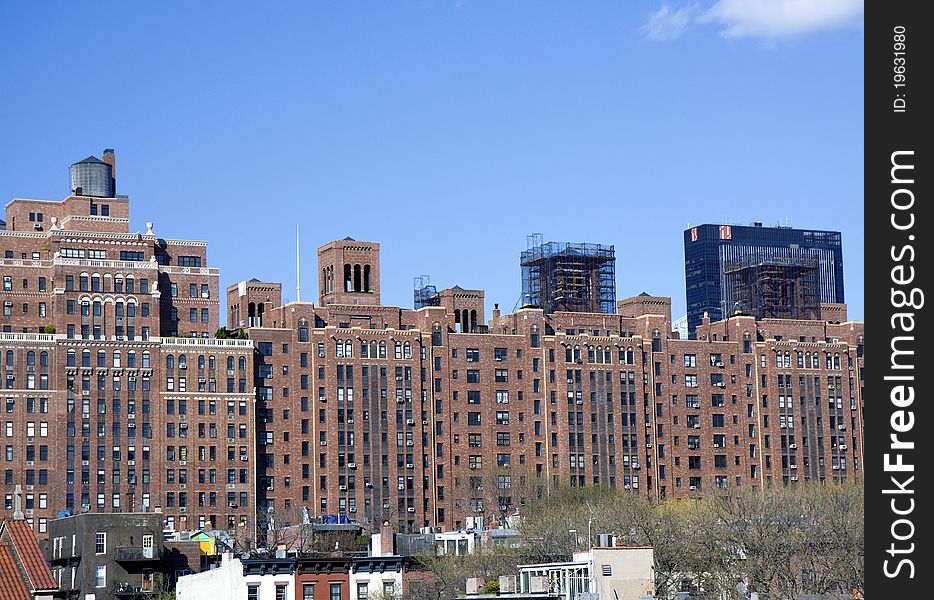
(711, 250)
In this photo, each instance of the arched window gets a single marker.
(348, 348)
(382, 349)
(71, 357)
(568, 354)
(9, 359)
(357, 279)
(473, 320)
(230, 363)
(242, 363)
(366, 278)
(398, 350)
(457, 319)
(373, 349)
(303, 331)
(200, 362)
(407, 350)
(131, 359)
(117, 359)
(182, 361)
(212, 363)
(145, 360)
(348, 278)
(31, 359)
(607, 355)
(85, 358)
(101, 358)
(169, 362)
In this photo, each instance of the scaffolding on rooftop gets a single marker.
(425, 293)
(564, 276)
(776, 288)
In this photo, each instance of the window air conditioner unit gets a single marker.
(401, 486)
(324, 442)
(410, 421)
(793, 466)
(836, 467)
(841, 427)
(498, 359)
(410, 443)
(792, 446)
(693, 488)
(424, 421)
(351, 465)
(409, 466)
(342, 488)
(842, 446)
(350, 421)
(352, 509)
(412, 509)
(794, 478)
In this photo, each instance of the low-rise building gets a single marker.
(248, 578)
(610, 573)
(112, 556)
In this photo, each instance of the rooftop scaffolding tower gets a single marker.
(568, 277)
(425, 293)
(777, 288)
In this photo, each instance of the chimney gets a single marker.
(705, 320)
(496, 310)
(18, 504)
(111, 159)
(386, 539)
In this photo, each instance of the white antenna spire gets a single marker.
(298, 270)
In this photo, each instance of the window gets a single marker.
(100, 576)
(100, 543)
(308, 591)
(362, 591)
(189, 261)
(335, 591)
(282, 591)
(252, 592)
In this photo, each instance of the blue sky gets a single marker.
(446, 130)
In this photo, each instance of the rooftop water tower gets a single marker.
(94, 177)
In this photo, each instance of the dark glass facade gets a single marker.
(709, 250)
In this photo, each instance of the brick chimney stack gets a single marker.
(18, 504)
(111, 159)
(386, 539)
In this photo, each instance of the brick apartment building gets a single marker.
(424, 417)
(431, 417)
(105, 407)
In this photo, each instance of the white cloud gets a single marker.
(668, 24)
(754, 18)
(782, 18)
